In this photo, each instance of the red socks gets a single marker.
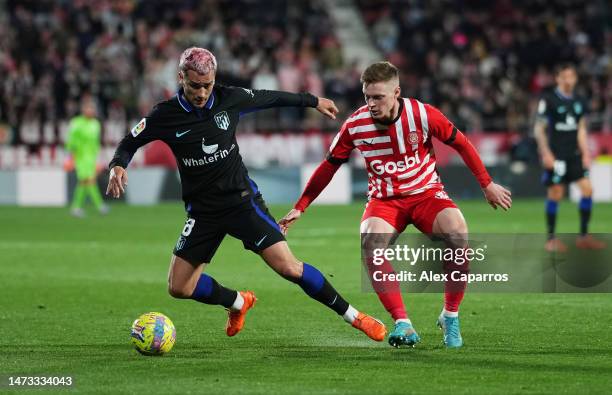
(454, 289)
(388, 292)
(390, 296)
(453, 296)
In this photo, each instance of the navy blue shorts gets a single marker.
(250, 222)
(565, 171)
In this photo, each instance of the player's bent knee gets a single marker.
(280, 258)
(291, 270)
(179, 292)
(287, 266)
(587, 190)
(372, 241)
(555, 193)
(455, 235)
(456, 240)
(454, 232)
(455, 228)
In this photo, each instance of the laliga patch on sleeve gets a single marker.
(140, 126)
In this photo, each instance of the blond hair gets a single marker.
(379, 72)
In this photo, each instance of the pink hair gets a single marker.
(200, 60)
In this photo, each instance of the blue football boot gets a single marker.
(403, 335)
(452, 334)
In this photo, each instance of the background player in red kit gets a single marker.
(394, 136)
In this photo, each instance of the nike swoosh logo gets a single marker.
(179, 134)
(366, 142)
(334, 301)
(261, 241)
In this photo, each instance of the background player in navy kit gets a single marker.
(561, 133)
(199, 125)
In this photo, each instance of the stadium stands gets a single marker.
(483, 67)
(485, 64)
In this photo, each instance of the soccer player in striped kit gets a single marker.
(394, 136)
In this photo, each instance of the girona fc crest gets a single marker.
(413, 138)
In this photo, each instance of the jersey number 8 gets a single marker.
(188, 227)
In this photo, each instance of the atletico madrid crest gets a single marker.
(222, 120)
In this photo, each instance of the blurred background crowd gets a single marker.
(484, 65)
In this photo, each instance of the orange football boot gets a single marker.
(588, 242)
(555, 245)
(372, 327)
(235, 319)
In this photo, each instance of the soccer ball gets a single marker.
(153, 334)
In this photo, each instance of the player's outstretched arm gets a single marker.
(117, 182)
(446, 132)
(497, 195)
(141, 134)
(327, 107)
(321, 177)
(259, 99)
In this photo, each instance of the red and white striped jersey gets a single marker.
(400, 156)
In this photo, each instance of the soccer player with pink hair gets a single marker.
(199, 125)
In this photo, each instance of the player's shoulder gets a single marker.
(548, 95)
(582, 99)
(427, 106)
(433, 113)
(360, 115)
(167, 112)
(546, 101)
(232, 93)
(416, 105)
(161, 115)
(578, 98)
(165, 108)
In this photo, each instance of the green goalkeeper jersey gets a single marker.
(83, 138)
(83, 142)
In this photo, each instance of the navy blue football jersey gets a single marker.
(204, 144)
(562, 115)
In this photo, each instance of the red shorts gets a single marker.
(420, 209)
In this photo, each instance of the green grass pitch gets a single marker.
(70, 289)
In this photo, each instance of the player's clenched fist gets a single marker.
(117, 181)
(289, 219)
